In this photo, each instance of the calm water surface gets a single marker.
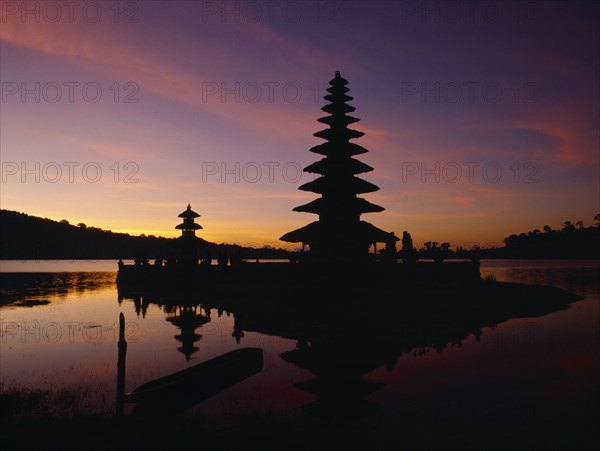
(59, 338)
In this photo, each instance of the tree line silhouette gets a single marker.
(573, 240)
(31, 237)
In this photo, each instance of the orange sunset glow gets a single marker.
(478, 126)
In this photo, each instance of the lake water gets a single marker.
(59, 339)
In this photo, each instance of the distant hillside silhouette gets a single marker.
(30, 237)
(572, 241)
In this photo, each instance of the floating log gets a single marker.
(188, 387)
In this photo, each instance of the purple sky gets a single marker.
(481, 118)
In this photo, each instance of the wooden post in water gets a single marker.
(122, 347)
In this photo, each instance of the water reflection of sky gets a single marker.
(547, 364)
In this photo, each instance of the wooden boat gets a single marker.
(188, 387)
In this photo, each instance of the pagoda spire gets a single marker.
(339, 233)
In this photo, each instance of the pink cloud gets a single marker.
(108, 51)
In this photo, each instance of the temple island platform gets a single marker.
(339, 254)
(194, 264)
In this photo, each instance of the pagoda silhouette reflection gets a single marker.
(187, 319)
(184, 315)
(342, 344)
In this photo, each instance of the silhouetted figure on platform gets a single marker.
(389, 253)
(409, 254)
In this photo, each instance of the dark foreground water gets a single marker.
(59, 357)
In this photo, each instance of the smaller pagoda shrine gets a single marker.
(188, 242)
(188, 227)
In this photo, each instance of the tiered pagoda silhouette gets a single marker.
(188, 227)
(339, 235)
(188, 242)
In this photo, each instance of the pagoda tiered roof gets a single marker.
(188, 213)
(327, 166)
(351, 185)
(188, 227)
(356, 206)
(339, 230)
(345, 148)
(313, 232)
